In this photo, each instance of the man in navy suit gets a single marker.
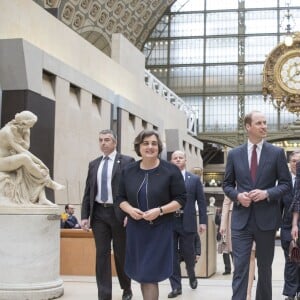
(256, 193)
(185, 226)
(105, 218)
(69, 220)
(291, 287)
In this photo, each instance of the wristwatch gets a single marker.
(161, 212)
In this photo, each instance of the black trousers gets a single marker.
(185, 243)
(227, 263)
(291, 273)
(108, 230)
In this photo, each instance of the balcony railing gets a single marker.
(157, 86)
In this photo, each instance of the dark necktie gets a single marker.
(293, 182)
(104, 192)
(253, 165)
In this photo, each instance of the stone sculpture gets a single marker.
(23, 176)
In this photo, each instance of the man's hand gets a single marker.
(202, 228)
(244, 199)
(258, 195)
(85, 225)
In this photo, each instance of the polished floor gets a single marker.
(217, 287)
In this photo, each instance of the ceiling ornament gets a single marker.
(135, 19)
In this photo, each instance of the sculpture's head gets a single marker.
(25, 118)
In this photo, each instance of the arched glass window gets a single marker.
(211, 53)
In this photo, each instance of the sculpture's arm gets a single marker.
(20, 149)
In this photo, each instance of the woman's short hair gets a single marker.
(140, 138)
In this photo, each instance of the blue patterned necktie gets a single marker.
(104, 192)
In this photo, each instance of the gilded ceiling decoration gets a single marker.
(97, 20)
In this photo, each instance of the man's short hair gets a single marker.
(248, 117)
(109, 131)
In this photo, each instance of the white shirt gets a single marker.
(183, 173)
(111, 159)
(293, 179)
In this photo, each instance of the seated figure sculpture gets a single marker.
(23, 176)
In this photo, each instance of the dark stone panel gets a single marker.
(53, 11)
(118, 129)
(42, 133)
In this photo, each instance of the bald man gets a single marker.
(185, 226)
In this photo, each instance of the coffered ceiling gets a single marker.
(97, 20)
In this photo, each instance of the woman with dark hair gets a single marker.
(150, 190)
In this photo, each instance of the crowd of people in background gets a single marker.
(146, 209)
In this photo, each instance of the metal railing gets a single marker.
(157, 86)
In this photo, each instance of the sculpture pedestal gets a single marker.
(29, 253)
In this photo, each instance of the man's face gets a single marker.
(71, 210)
(107, 143)
(293, 161)
(257, 130)
(178, 159)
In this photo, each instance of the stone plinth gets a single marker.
(29, 253)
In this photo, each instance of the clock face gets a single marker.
(288, 72)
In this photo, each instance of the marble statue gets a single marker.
(211, 208)
(23, 176)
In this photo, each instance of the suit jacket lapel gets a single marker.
(95, 173)
(116, 164)
(186, 179)
(245, 161)
(262, 160)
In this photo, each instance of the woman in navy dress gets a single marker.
(150, 190)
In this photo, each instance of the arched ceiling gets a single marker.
(97, 20)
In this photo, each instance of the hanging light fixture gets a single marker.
(287, 24)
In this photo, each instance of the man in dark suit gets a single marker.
(256, 178)
(68, 219)
(291, 287)
(106, 219)
(185, 226)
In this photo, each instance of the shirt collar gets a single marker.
(258, 145)
(112, 155)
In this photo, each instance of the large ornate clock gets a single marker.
(281, 76)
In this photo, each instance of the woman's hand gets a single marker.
(222, 230)
(151, 214)
(294, 232)
(136, 213)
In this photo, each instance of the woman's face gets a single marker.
(149, 147)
